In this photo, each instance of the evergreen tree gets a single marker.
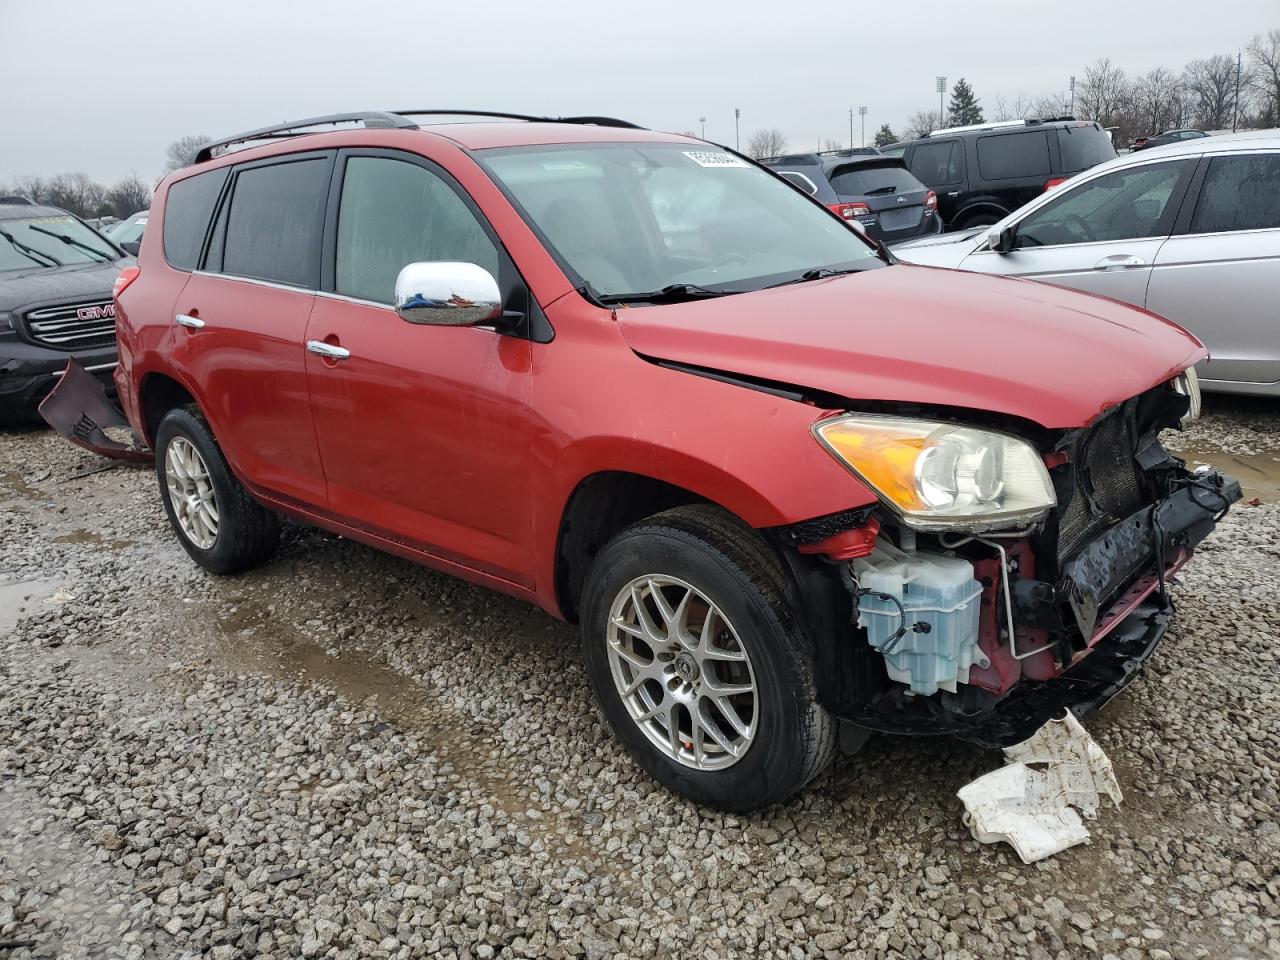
(964, 108)
(885, 136)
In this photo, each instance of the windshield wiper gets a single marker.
(819, 274)
(671, 292)
(31, 253)
(72, 241)
(892, 188)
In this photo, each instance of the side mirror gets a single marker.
(131, 246)
(1001, 241)
(447, 293)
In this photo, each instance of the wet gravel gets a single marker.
(345, 755)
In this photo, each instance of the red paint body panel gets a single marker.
(929, 336)
(461, 448)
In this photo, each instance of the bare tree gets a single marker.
(1103, 93)
(35, 189)
(1049, 105)
(1211, 91)
(129, 196)
(182, 153)
(1003, 110)
(78, 194)
(830, 144)
(766, 143)
(923, 122)
(1264, 59)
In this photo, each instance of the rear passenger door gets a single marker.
(1013, 167)
(424, 430)
(940, 167)
(240, 322)
(1219, 276)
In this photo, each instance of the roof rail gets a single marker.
(387, 119)
(595, 121)
(811, 158)
(370, 118)
(1000, 125)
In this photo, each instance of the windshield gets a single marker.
(50, 242)
(630, 220)
(1084, 147)
(126, 230)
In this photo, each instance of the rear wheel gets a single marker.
(698, 664)
(982, 219)
(220, 526)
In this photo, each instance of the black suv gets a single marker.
(877, 193)
(56, 275)
(984, 172)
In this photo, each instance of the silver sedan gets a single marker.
(1190, 231)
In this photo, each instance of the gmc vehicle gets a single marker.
(788, 488)
(984, 172)
(56, 275)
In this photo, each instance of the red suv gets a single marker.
(791, 490)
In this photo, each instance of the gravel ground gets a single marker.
(345, 755)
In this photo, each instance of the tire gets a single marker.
(783, 737)
(979, 220)
(244, 533)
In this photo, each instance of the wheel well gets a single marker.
(601, 506)
(962, 218)
(159, 395)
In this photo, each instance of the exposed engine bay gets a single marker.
(987, 634)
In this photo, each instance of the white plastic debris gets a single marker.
(1032, 802)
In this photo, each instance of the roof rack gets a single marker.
(384, 119)
(811, 158)
(1000, 125)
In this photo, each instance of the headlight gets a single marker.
(940, 475)
(6, 322)
(1188, 384)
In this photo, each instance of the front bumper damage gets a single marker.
(1106, 612)
(78, 408)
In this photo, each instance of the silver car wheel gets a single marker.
(191, 493)
(682, 672)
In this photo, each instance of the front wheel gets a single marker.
(698, 664)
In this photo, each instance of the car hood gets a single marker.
(20, 289)
(917, 335)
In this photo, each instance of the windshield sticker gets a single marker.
(709, 158)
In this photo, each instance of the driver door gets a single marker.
(1101, 236)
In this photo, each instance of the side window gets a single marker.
(1125, 205)
(937, 163)
(394, 213)
(799, 180)
(276, 221)
(1239, 193)
(186, 217)
(1013, 155)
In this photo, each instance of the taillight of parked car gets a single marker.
(126, 277)
(930, 202)
(1055, 182)
(851, 211)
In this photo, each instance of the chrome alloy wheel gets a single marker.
(682, 672)
(191, 493)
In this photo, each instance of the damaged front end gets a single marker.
(986, 632)
(79, 410)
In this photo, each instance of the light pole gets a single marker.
(851, 128)
(862, 112)
(737, 136)
(1235, 107)
(942, 88)
(703, 121)
(1071, 110)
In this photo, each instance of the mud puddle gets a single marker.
(22, 599)
(93, 538)
(1259, 473)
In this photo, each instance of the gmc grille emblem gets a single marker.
(101, 312)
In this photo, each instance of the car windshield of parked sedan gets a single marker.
(51, 242)
(642, 222)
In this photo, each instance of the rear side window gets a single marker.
(1014, 155)
(1239, 193)
(186, 217)
(1083, 147)
(395, 213)
(800, 180)
(937, 163)
(276, 221)
(872, 179)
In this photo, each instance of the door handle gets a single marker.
(328, 350)
(186, 320)
(954, 193)
(1120, 261)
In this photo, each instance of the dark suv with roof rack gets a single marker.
(984, 172)
(877, 193)
(56, 275)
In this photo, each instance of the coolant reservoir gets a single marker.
(940, 599)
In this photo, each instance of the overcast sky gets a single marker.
(105, 87)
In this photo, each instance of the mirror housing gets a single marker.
(447, 293)
(1001, 241)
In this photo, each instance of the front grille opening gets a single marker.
(73, 326)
